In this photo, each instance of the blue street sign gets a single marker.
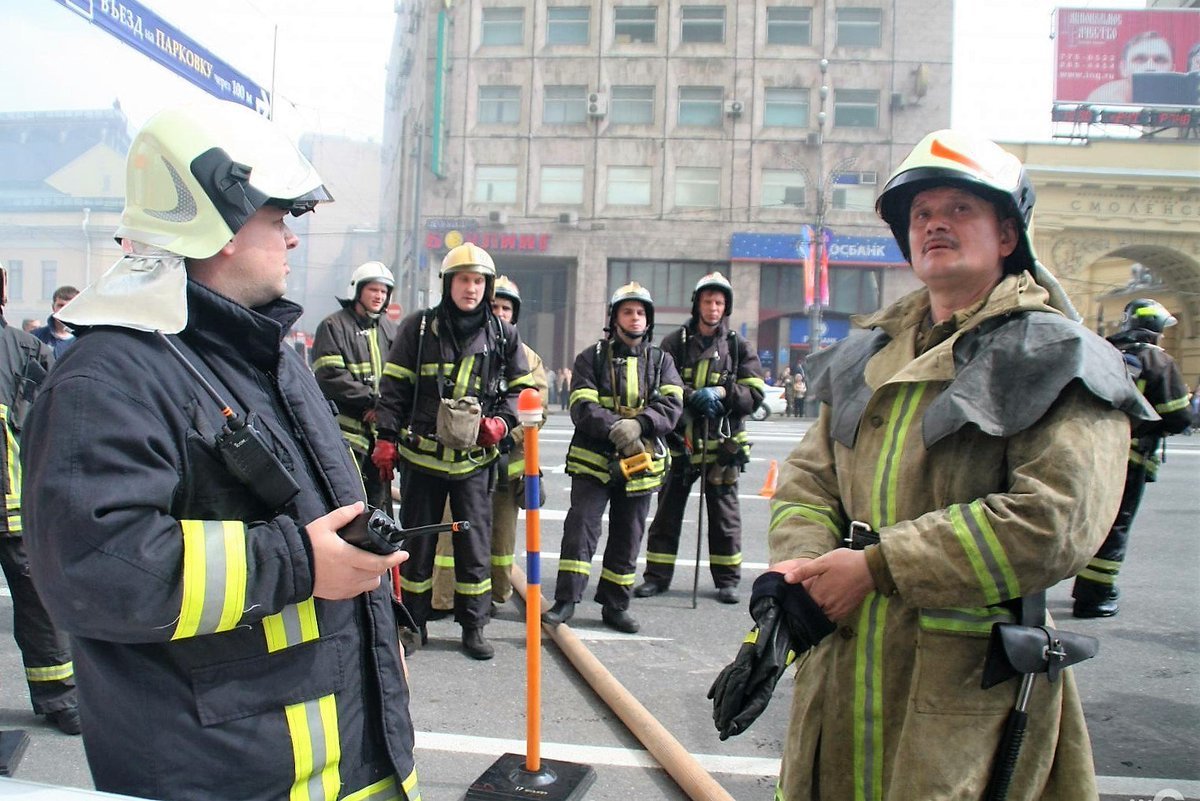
(142, 29)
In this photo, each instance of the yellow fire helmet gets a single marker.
(195, 175)
(468, 258)
(717, 281)
(631, 291)
(972, 163)
(507, 288)
(366, 273)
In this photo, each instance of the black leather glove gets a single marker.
(787, 623)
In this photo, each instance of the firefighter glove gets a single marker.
(706, 402)
(491, 431)
(787, 623)
(624, 434)
(384, 459)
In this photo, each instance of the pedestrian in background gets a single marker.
(348, 354)
(1159, 379)
(54, 334)
(187, 492)
(45, 652)
(564, 388)
(925, 502)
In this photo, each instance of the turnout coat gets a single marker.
(990, 465)
(206, 668)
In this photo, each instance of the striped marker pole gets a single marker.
(529, 412)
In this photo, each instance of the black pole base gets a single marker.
(12, 747)
(508, 780)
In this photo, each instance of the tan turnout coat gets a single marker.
(889, 706)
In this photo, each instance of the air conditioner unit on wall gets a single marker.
(813, 139)
(733, 108)
(568, 218)
(498, 217)
(597, 104)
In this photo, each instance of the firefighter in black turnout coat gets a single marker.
(625, 397)
(448, 398)
(1159, 379)
(722, 384)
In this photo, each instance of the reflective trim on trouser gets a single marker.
(504, 539)
(385, 790)
(724, 521)
(424, 503)
(581, 534)
(44, 650)
(1095, 582)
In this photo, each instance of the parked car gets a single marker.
(773, 403)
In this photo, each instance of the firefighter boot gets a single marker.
(648, 589)
(561, 612)
(475, 645)
(619, 619)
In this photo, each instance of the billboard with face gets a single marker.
(1127, 57)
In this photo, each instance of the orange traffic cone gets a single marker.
(768, 487)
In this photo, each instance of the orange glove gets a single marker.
(491, 431)
(384, 459)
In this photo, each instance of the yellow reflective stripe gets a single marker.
(1097, 563)
(399, 372)
(891, 455)
(503, 560)
(332, 360)
(585, 394)
(701, 374)
(516, 468)
(587, 456)
(577, 469)
(460, 465)
(376, 355)
(986, 555)
(660, 558)
(315, 749)
(671, 389)
(782, 511)
(348, 423)
(213, 588)
(357, 442)
(622, 579)
(382, 790)
(721, 560)
(443, 560)
(525, 380)
(473, 587)
(575, 566)
(462, 380)
(359, 369)
(1172, 405)
(51, 672)
(754, 383)
(965, 620)
(12, 499)
(416, 586)
(292, 625)
(1098, 576)
(410, 786)
(631, 381)
(868, 699)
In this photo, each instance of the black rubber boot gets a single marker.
(619, 619)
(648, 589)
(561, 612)
(475, 645)
(728, 595)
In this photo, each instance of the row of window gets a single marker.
(695, 187)
(16, 279)
(698, 106)
(504, 26)
(781, 286)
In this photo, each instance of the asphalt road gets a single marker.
(1140, 694)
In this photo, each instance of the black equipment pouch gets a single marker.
(249, 459)
(1016, 650)
(731, 454)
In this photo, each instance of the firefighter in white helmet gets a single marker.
(722, 385)
(966, 458)
(626, 397)
(348, 354)
(187, 492)
(448, 399)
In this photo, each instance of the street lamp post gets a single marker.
(818, 250)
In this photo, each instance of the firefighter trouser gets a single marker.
(44, 650)
(424, 500)
(724, 528)
(1095, 583)
(504, 538)
(581, 534)
(378, 491)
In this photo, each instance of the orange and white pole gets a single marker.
(529, 412)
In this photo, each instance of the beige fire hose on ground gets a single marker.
(694, 780)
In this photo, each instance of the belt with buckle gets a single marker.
(860, 536)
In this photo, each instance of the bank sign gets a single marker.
(844, 251)
(142, 29)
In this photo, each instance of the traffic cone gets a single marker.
(768, 487)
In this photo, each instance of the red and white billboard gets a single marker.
(1124, 57)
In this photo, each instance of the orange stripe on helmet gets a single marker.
(936, 148)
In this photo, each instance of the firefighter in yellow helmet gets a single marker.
(447, 401)
(626, 396)
(347, 358)
(508, 496)
(1158, 377)
(722, 384)
(187, 491)
(965, 458)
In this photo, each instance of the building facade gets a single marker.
(593, 143)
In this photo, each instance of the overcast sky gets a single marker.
(332, 59)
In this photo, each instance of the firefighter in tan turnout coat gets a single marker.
(960, 428)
